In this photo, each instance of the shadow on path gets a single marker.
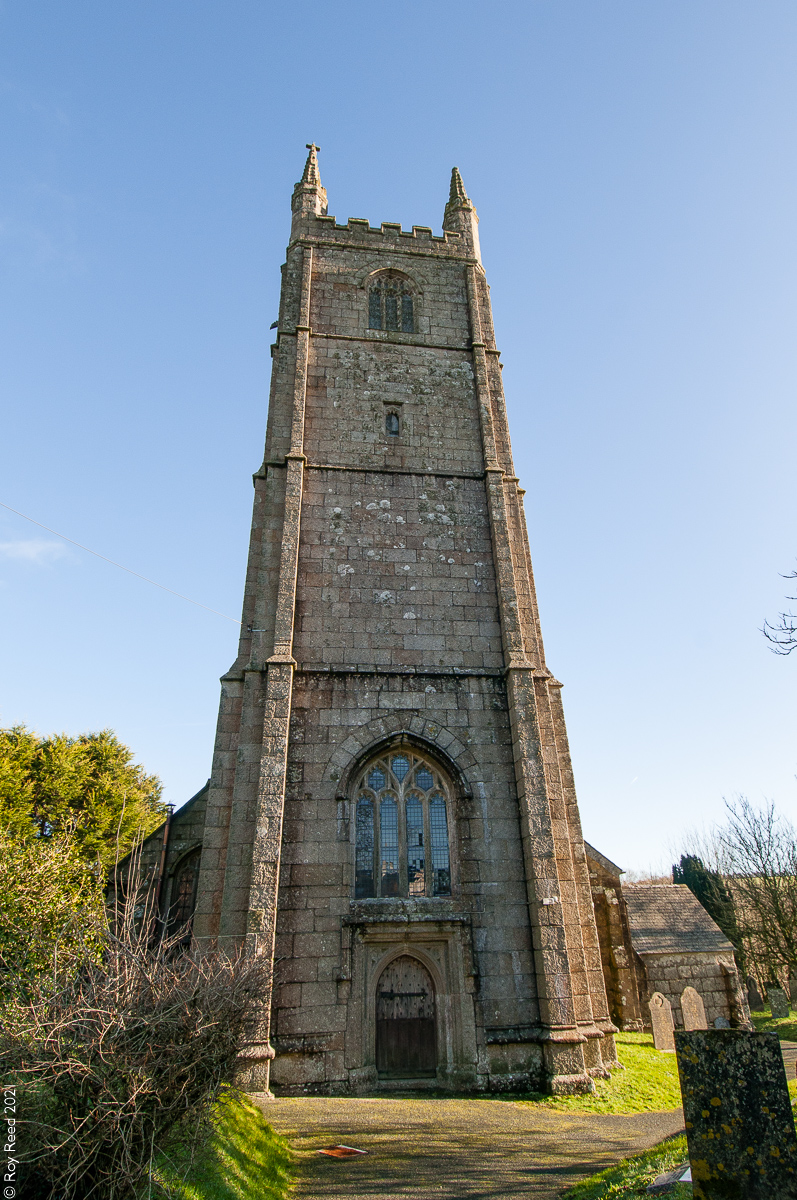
(441, 1149)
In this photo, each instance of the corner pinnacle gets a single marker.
(309, 197)
(310, 174)
(457, 196)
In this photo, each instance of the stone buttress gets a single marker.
(390, 610)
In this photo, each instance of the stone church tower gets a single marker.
(391, 816)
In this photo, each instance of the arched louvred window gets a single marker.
(390, 303)
(402, 846)
(183, 894)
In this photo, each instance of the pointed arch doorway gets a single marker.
(405, 1021)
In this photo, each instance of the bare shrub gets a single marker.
(126, 1056)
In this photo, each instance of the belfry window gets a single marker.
(390, 304)
(402, 829)
(392, 424)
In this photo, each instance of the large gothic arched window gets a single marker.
(402, 805)
(390, 303)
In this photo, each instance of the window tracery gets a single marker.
(401, 828)
(390, 304)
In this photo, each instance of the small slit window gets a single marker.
(390, 304)
(402, 829)
(392, 424)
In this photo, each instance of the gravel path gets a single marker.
(440, 1149)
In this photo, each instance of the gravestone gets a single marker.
(661, 1020)
(777, 1000)
(754, 998)
(793, 984)
(721, 1023)
(739, 1124)
(694, 1014)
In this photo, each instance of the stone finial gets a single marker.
(460, 215)
(457, 197)
(310, 174)
(309, 197)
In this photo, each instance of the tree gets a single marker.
(710, 889)
(782, 636)
(757, 855)
(49, 896)
(86, 788)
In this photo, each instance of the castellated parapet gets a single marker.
(391, 817)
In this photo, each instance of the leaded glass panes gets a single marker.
(392, 424)
(390, 304)
(416, 875)
(374, 309)
(401, 828)
(441, 866)
(400, 766)
(364, 876)
(389, 873)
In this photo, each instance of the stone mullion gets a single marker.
(270, 802)
(403, 863)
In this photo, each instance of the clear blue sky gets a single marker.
(633, 165)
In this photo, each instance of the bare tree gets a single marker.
(119, 1060)
(782, 636)
(757, 855)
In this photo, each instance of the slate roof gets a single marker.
(666, 918)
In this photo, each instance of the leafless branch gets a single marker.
(782, 636)
(123, 1057)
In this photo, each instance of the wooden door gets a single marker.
(405, 1025)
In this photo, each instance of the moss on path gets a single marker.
(441, 1149)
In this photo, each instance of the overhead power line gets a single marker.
(88, 550)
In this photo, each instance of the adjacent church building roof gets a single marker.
(666, 918)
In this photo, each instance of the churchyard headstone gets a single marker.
(793, 984)
(661, 1020)
(777, 1000)
(694, 1014)
(754, 998)
(721, 1023)
(739, 1124)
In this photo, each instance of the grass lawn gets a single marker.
(649, 1083)
(245, 1160)
(632, 1176)
(785, 1027)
